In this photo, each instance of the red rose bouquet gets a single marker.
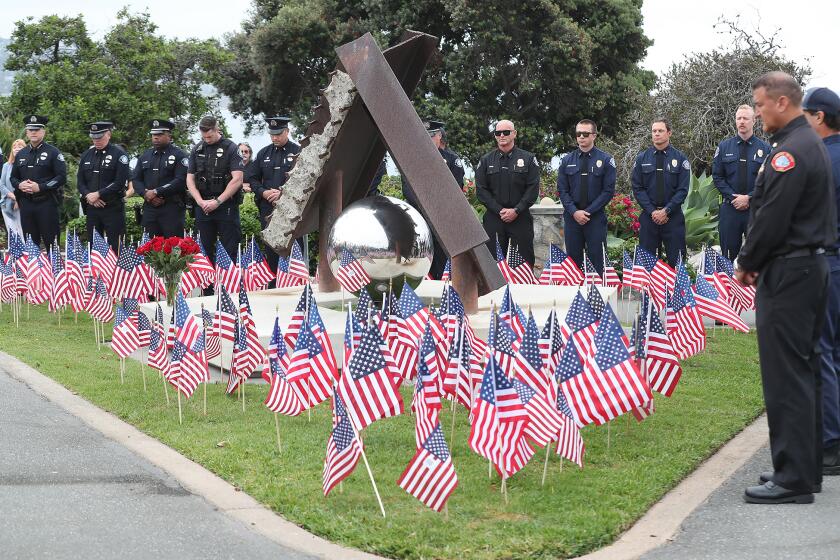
(169, 258)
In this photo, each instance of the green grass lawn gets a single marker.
(577, 511)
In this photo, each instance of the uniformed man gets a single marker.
(160, 177)
(453, 162)
(585, 184)
(822, 111)
(268, 172)
(102, 179)
(214, 180)
(793, 218)
(38, 178)
(734, 168)
(661, 175)
(507, 181)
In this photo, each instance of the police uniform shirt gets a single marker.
(162, 170)
(104, 171)
(728, 167)
(793, 204)
(600, 169)
(675, 177)
(221, 158)
(509, 180)
(453, 162)
(45, 165)
(269, 167)
(832, 144)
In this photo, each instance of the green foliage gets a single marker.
(544, 65)
(130, 76)
(700, 208)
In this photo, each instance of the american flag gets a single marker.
(127, 280)
(277, 346)
(500, 343)
(38, 275)
(512, 314)
(305, 302)
(7, 279)
(124, 340)
(144, 329)
(611, 278)
(683, 322)
(200, 272)
(628, 273)
(430, 476)
(350, 274)
(520, 271)
(501, 262)
(569, 442)
(283, 397)
(16, 246)
(352, 336)
(560, 269)
(447, 271)
(248, 353)
(527, 362)
(343, 447)
(580, 325)
(257, 274)
(305, 351)
(654, 349)
(709, 272)
(99, 304)
(415, 315)
(363, 307)
(367, 386)
(660, 275)
(284, 278)
(713, 305)
(296, 265)
(157, 342)
(551, 343)
(499, 421)
(213, 346)
(60, 286)
(188, 328)
(426, 403)
(228, 273)
(575, 387)
(188, 367)
(544, 419)
(77, 270)
(224, 319)
(102, 259)
(459, 380)
(590, 275)
(596, 302)
(741, 297)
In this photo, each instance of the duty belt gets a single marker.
(806, 252)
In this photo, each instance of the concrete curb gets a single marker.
(192, 476)
(663, 520)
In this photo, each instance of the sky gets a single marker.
(676, 27)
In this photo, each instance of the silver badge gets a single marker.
(170, 159)
(775, 144)
(290, 158)
(155, 123)
(94, 127)
(520, 162)
(33, 118)
(599, 163)
(219, 152)
(674, 163)
(273, 123)
(760, 153)
(43, 155)
(108, 159)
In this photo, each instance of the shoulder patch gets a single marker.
(60, 157)
(458, 163)
(535, 160)
(185, 162)
(612, 161)
(717, 151)
(123, 159)
(686, 165)
(783, 161)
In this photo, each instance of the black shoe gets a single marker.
(767, 476)
(772, 493)
(831, 461)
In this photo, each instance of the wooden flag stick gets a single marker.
(367, 465)
(122, 371)
(165, 386)
(205, 398)
(504, 489)
(452, 438)
(545, 466)
(608, 437)
(75, 317)
(277, 429)
(180, 415)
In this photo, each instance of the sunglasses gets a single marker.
(502, 132)
(583, 133)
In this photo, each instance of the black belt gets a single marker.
(806, 252)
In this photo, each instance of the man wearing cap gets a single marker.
(102, 179)
(585, 184)
(38, 177)
(660, 178)
(507, 181)
(453, 162)
(214, 180)
(268, 172)
(160, 177)
(822, 111)
(734, 168)
(793, 219)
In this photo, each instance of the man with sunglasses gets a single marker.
(585, 184)
(453, 162)
(268, 172)
(660, 179)
(214, 180)
(507, 181)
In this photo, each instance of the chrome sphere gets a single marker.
(388, 237)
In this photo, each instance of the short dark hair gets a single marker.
(831, 121)
(779, 83)
(208, 121)
(664, 121)
(590, 122)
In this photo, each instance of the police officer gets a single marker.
(793, 218)
(822, 111)
(734, 168)
(660, 179)
(214, 180)
(585, 184)
(160, 177)
(507, 181)
(453, 162)
(38, 177)
(268, 172)
(102, 179)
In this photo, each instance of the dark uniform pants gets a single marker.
(593, 235)
(790, 308)
(166, 220)
(671, 234)
(222, 224)
(108, 221)
(830, 359)
(39, 219)
(520, 231)
(732, 227)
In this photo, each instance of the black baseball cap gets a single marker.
(822, 99)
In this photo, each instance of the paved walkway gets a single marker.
(726, 527)
(67, 491)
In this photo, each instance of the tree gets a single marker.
(130, 76)
(544, 64)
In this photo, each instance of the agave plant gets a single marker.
(700, 209)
